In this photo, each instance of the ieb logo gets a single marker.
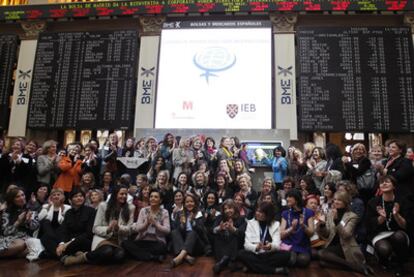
(233, 109)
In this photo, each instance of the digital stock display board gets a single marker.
(355, 79)
(8, 51)
(84, 79)
(130, 8)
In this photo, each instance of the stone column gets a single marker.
(285, 73)
(150, 30)
(24, 76)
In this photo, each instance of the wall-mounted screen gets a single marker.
(215, 74)
(258, 150)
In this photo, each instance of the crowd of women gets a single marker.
(192, 197)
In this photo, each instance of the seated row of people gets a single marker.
(270, 240)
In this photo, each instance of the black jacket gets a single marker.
(402, 170)
(78, 224)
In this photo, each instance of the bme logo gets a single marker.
(233, 109)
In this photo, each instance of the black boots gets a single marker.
(219, 266)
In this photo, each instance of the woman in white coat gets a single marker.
(261, 252)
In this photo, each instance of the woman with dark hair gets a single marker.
(333, 158)
(47, 164)
(210, 152)
(92, 162)
(157, 165)
(153, 226)
(211, 212)
(189, 236)
(166, 150)
(225, 151)
(388, 219)
(240, 201)
(222, 187)
(182, 183)
(112, 226)
(287, 184)
(107, 184)
(297, 227)
(317, 166)
(261, 252)
(141, 201)
(239, 168)
(307, 186)
(312, 203)
(398, 167)
(228, 231)
(178, 205)
(337, 229)
(17, 225)
(75, 232)
(38, 198)
(328, 196)
(18, 168)
(279, 165)
(110, 152)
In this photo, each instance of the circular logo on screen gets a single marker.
(212, 60)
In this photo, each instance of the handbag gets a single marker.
(285, 247)
(367, 180)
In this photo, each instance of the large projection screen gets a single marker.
(215, 74)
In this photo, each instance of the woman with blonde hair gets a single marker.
(337, 229)
(163, 185)
(47, 167)
(51, 217)
(355, 167)
(183, 158)
(317, 166)
(245, 184)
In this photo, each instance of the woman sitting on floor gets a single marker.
(153, 226)
(262, 244)
(112, 226)
(51, 217)
(18, 224)
(228, 231)
(297, 228)
(75, 233)
(341, 249)
(388, 218)
(189, 236)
